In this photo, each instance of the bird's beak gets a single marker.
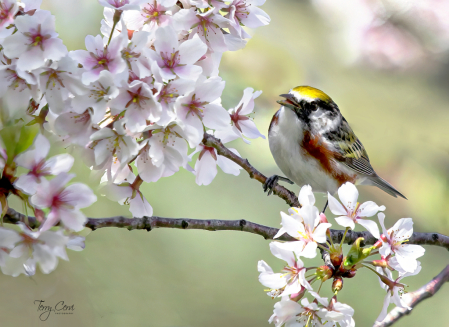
(289, 102)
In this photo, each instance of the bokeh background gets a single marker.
(398, 105)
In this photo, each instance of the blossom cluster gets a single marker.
(136, 104)
(52, 201)
(311, 231)
(389, 34)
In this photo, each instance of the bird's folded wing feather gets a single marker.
(352, 151)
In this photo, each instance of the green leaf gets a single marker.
(17, 139)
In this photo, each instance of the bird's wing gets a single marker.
(351, 150)
(352, 153)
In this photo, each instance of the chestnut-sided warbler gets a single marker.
(312, 143)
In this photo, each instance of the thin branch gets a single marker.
(150, 223)
(412, 299)
(285, 194)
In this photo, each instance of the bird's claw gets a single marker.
(272, 181)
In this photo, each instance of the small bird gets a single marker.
(312, 143)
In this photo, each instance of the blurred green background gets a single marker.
(200, 278)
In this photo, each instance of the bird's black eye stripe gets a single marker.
(312, 106)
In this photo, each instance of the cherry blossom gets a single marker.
(334, 311)
(113, 142)
(351, 211)
(305, 197)
(76, 128)
(292, 279)
(177, 60)
(121, 4)
(394, 289)
(285, 313)
(168, 148)
(98, 58)
(32, 248)
(97, 97)
(16, 89)
(206, 165)
(63, 201)
(207, 25)
(126, 194)
(201, 107)
(146, 168)
(167, 95)
(247, 13)
(58, 81)
(34, 160)
(35, 41)
(241, 124)
(139, 104)
(136, 54)
(308, 232)
(309, 314)
(393, 239)
(8, 9)
(151, 15)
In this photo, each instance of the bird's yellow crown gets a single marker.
(309, 93)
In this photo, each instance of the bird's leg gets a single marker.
(271, 182)
(325, 207)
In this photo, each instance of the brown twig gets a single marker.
(412, 299)
(150, 223)
(285, 194)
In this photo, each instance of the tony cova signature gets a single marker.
(59, 308)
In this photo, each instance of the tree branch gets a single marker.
(285, 194)
(412, 299)
(149, 223)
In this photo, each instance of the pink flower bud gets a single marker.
(323, 218)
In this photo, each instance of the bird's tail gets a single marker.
(384, 185)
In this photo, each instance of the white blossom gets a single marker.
(39, 167)
(35, 41)
(351, 211)
(392, 242)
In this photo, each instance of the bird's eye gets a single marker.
(312, 106)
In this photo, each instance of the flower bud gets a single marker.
(378, 244)
(383, 238)
(380, 263)
(298, 296)
(337, 284)
(323, 218)
(336, 259)
(336, 255)
(324, 273)
(349, 273)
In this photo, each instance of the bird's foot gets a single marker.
(272, 181)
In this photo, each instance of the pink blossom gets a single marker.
(247, 13)
(241, 124)
(35, 41)
(206, 164)
(34, 160)
(201, 107)
(63, 201)
(8, 9)
(98, 58)
(121, 4)
(151, 15)
(174, 59)
(207, 25)
(140, 105)
(58, 81)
